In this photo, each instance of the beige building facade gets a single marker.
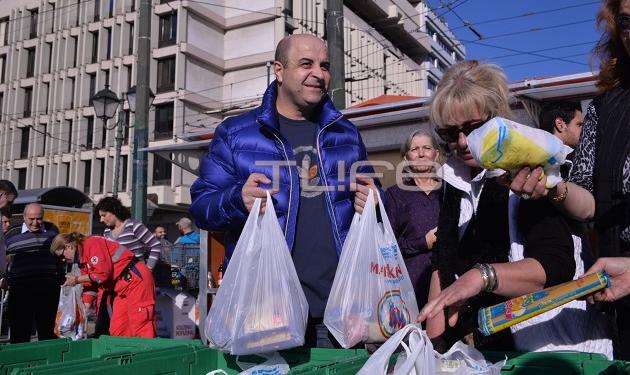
(210, 59)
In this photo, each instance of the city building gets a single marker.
(210, 59)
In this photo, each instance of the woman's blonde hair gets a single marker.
(470, 86)
(61, 240)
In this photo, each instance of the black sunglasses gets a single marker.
(450, 133)
(623, 20)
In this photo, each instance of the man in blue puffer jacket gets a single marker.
(315, 200)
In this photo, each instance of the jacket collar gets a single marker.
(268, 115)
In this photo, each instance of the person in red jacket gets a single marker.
(111, 266)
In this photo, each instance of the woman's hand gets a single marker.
(430, 237)
(71, 280)
(468, 285)
(530, 184)
(619, 271)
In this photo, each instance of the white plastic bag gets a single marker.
(71, 315)
(372, 296)
(260, 306)
(462, 359)
(507, 145)
(418, 358)
(274, 365)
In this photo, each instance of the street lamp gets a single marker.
(131, 98)
(105, 104)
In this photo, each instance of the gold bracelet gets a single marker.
(561, 197)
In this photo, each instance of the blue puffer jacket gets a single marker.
(242, 140)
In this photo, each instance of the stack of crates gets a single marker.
(138, 356)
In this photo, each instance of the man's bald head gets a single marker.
(284, 46)
(33, 216)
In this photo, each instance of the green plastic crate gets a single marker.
(197, 359)
(557, 363)
(303, 361)
(175, 356)
(64, 350)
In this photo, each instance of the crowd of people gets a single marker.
(470, 237)
(115, 270)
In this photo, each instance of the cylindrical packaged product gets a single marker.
(504, 315)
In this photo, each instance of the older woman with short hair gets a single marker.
(413, 207)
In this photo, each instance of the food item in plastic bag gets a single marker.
(71, 315)
(260, 306)
(504, 315)
(372, 296)
(507, 145)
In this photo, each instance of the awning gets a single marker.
(57, 196)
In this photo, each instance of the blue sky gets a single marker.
(567, 32)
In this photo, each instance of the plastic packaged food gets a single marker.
(504, 315)
(507, 145)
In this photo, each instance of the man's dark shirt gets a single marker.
(314, 253)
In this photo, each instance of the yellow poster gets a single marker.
(69, 221)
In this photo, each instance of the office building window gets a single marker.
(1, 103)
(124, 159)
(109, 44)
(4, 31)
(24, 140)
(101, 180)
(30, 62)
(69, 143)
(161, 171)
(131, 38)
(28, 99)
(33, 26)
(94, 47)
(97, 10)
(66, 167)
(104, 134)
(166, 75)
(164, 121)
(129, 77)
(87, 176)
(53, 18)
(110, 8)
(106, 74)
(3, 60)
(21, 185)
(44, 135)
(71, 82)
(168, 30)
(126, 122)
(46, 90)
(74, 47)
(49, 47)
(92, 86)
(89, 142)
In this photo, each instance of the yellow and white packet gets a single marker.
(508, 145)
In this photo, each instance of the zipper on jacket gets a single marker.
(323, 174)
(286, 157)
